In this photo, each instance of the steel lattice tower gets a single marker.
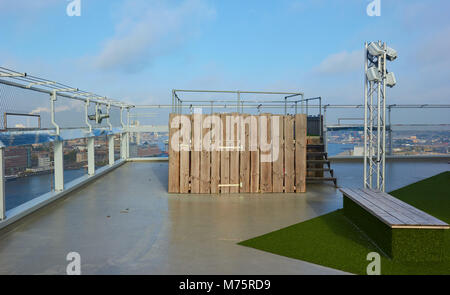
(374, 120)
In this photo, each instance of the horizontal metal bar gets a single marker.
(238, 91)
(437, 106)
(49, 92)
(242, 101)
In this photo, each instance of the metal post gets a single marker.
(285, 106)
(127, 136)
(91, 155)
(238, 101)
(390, 131)
(380, 61)
(320, 117)
(53, 98)
(366, 134)
(325, 135)
(111, 150)
(2, 184)
(383, 156)
(123, 145)
(173, 101)
(59, 165)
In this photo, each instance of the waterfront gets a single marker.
(24, 189)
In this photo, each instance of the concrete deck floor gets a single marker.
(162, 233)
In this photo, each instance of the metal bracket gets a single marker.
(108, 121)
(53, 98)
(86, 107)
(40, 83)
(10, 75)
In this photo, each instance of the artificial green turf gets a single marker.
(331, 240)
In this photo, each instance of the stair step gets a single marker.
(315, 145)
(319, 169)
(322, 178)
(316, 153)
(317, 161)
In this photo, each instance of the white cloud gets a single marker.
(342, 62)
(154, 32)
(40, 110)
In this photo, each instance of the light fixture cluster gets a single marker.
(376, 53)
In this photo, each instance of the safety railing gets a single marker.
(54, 138)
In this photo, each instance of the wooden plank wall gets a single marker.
(278, 159)
(215, 157)
(205, 160)
(244, 168)
(174, 156)
(289, 154)
(225, 156)
(234, 164)
(300, 153)
(254, 156)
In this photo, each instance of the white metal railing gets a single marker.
(10, 137)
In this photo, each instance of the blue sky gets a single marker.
(139, 50)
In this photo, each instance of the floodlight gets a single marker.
(373, 74)
(390, 80)
(391, 54)
(375, 49)
(98, 117)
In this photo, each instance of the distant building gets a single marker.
(81, 157)
(16, 159)
(44, 160)
(149, 150)
(358, 151)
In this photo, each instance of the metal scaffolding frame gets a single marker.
(375, 120)
(239, 103)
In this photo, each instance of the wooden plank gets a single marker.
(225, 157)
(278, 158)
(244, 168)
(375, 211)
(254, 156)
(266, 166)
(289, 154)
(300, 153)
(195, 153)
(411, 208)
(385, 206)
(418, 217)
(234, 152)
(174, 156)
(215, 156)
(205, 159)
(185, 147)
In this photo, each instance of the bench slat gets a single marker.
(419, 212)
(394, 209)
(418, 217)
(377, 212)
(399, 218)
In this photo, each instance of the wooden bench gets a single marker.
(399, 229)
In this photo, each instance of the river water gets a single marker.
(24, 189)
